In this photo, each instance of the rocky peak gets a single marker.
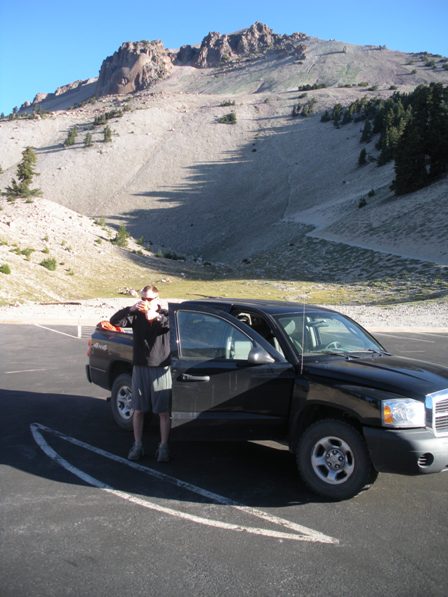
(133, 67)
(217, 49)
(138, 65)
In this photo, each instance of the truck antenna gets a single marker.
(303, 335)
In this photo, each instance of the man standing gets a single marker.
(151, 375)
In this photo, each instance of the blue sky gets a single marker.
(46, 44)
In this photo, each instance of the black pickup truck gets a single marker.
(252, 369)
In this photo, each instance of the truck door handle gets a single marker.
(187, 377)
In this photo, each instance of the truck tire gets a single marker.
(121, 401)
(333, 460)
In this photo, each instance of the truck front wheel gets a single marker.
(333, 460)
(122, 411)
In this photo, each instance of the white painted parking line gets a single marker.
(433, 334)
(44, 327)
(411, 338)
(27, 371)
(300, 533)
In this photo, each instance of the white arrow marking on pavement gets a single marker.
(301, 533)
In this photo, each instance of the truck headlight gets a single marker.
(403, 412)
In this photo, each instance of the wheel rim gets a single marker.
(333, 460)
(124, 399)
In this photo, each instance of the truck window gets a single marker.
(261, 326)
(206, 336)
(326, 332)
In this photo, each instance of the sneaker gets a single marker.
(136, 452)
(162, 453)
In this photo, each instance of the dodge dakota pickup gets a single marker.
(309, 376)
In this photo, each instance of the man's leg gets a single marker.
(141, 389)
(136, 452)
(165, 427)
(163, 454)
(137, 422)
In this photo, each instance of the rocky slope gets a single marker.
(272, 196)
(53, 253)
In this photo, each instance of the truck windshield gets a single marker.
(327, 333)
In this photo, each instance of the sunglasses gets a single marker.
(149, 298)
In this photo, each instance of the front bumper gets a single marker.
(406, 451)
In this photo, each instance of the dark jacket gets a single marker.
(151, 338)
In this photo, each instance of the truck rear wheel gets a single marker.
(120, 403)
(333, 460)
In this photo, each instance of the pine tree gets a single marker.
(410, 162)
(437, 138)
(71, 137)
(337, 113)
(107, 134)
(367, 132)
(25, 173)
(362, 159)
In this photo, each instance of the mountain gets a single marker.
(270, 195)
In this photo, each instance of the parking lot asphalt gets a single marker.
(220, 519)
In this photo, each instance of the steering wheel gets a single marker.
(334, 345)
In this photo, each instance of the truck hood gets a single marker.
(400, 375)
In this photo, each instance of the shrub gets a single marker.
(170, 255)
(27, 252)
(49, 264)
(5, 269)
(121, 238)
(103, 118)
(99, 120)
(306, 110)
(107, 134)
(311, 87)
(226, 103)
(71, 137)
(228, 118)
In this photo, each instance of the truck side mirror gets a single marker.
(258, 356)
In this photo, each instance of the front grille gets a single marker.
(437, 411)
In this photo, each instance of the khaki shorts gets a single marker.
(151, 389)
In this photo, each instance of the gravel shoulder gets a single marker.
(428, 316)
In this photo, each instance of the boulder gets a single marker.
(134, 67)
